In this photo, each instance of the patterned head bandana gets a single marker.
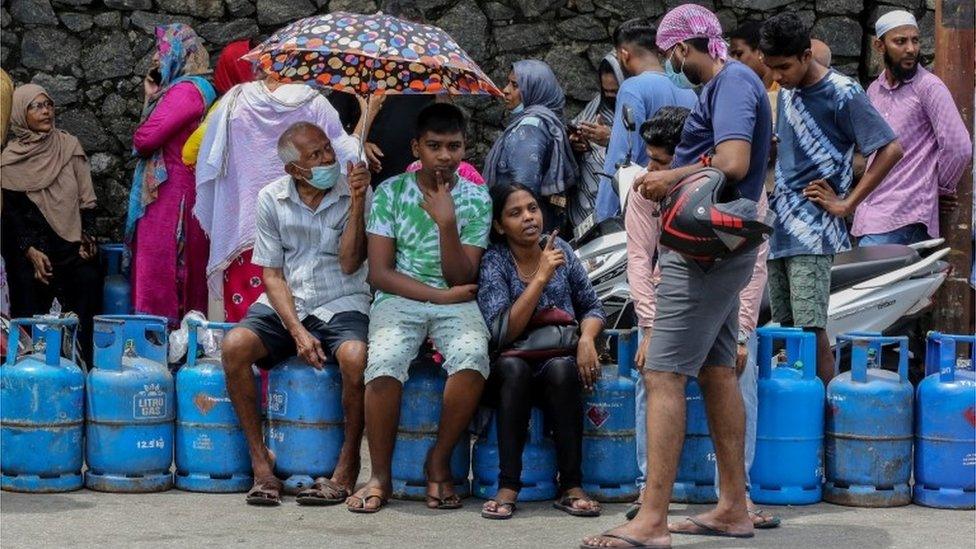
(692, 21)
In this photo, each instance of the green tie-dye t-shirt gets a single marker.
(396, 213)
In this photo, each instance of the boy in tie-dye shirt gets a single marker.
(426, 233)
(822, 116)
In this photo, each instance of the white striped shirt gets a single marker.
(305, 245)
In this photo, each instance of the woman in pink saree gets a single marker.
(169, 249)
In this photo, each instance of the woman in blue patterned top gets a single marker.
(522, 276)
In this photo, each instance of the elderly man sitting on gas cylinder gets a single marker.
(311, 242)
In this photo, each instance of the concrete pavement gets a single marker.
(180, 519)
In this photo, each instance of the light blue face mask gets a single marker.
(679, 79)
(324, 177)
(518, 108)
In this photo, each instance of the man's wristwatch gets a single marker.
(743, 339)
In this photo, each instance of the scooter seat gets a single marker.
(865, 263)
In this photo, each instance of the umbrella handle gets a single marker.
(362, 136)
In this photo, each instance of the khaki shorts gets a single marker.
(799, 290)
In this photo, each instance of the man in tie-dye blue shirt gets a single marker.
(822, 117)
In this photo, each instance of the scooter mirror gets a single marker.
(628, 117)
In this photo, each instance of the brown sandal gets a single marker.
(266, 492)
(322, 492)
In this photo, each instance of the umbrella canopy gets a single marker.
(371, 54)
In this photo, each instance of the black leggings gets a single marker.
(515, 385)
(77, 285)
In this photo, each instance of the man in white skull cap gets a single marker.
(904, 208)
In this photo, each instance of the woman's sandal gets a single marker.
(566, 505)
(499, 505)
(266, 492)
(373, 493)
(322, 492)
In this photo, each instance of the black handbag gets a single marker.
(550, 333)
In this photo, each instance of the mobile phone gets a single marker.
(155, 75)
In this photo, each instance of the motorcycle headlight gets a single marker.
(593, 263)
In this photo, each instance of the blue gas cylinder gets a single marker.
(538, 462)
(117, 294)
(130, 406)
(609, 444)
(305, 421)
(695, 480)
(41, 412)
(420, 415)
(868, 450)
(945, 427)
(211, 451)
(787, 469)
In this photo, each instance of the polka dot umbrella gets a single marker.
(369, 55)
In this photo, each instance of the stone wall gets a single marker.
(91, 54)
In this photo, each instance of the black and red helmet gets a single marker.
(697, 224)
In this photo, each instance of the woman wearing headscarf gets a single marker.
(48, 206)
(169, 247)
(589, 136)
(534, 149)
(237, 158)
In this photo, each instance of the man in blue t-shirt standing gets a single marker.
(696, 322)
(821, 117)
(645, 91)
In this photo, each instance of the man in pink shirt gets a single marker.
(642, 221)
(903, 209)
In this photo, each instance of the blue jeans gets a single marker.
(909, 234)
(747, 384)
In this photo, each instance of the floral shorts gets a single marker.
(399, 326)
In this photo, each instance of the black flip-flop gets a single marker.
(706, 530)
(632, 543)
(767, 522)
(441, 502)
(632, 510)
(446, 503)
(495, 515)
(316, 494)
(566, 505)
